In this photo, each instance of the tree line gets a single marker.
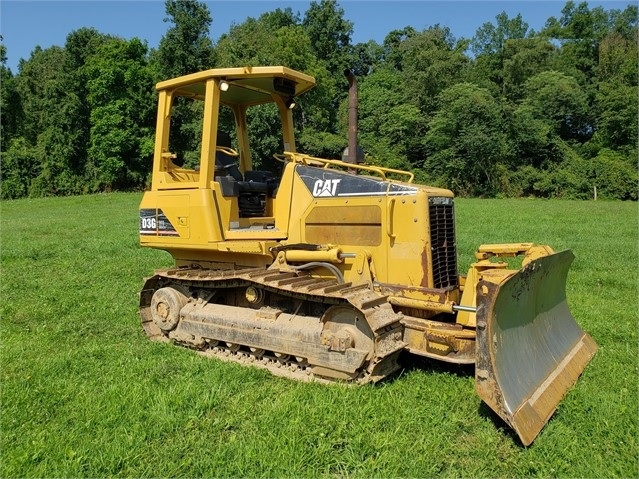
(510, 112)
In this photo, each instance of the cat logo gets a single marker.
(325, 187)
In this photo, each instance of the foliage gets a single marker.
(120, 149)
(614, 176)
(330, 40)
(617, 115)
(186, 47)
(10, 110)
(558, 100)
(432, 61)
(538, 113)
(19, 167)
(465, 140)
(389, 126)
(523, 59)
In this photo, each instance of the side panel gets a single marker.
(409, 247)
(387, 220)
(345, 224)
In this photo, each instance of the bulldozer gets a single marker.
(328, 270)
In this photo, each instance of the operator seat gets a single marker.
(253, 180)
(252, 189)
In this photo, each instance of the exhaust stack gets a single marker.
(353, 154)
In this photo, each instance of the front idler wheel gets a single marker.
(165, 308)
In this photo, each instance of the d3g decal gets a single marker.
(153, 222)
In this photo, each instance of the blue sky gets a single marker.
(24, 24)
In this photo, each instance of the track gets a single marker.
(292, 324)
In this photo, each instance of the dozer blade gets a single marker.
(530, 349)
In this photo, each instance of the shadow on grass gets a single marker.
(484, 411)
(411, 362)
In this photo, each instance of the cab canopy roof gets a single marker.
(246, 85)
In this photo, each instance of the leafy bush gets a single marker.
(614, 176)
(19, 167)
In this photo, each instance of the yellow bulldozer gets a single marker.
(330, 269)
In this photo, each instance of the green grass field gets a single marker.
(85, 394)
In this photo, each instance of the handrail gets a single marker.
(313, 161)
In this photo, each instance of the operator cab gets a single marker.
(210, 129)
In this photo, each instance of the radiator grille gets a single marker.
(443, 244)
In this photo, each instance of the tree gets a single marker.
(279, 18)
(488, 46)
(617, 116)
(614, 176)
(490, 39)
(330, 34)
(248, 43)
(432, 61)
(522, 59)
(122, 106)
(618, 59)
(550, 113)
(330, 41)
(465, 141)
(388, 125)
(19, 167)
(81, 45)
(291, 46)
(10, 107)
(393, 54)
(558, 100)
(258, 42)
(531, 138)
(185, 48)
(50, 124)
(579, 31)
(53, 93)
